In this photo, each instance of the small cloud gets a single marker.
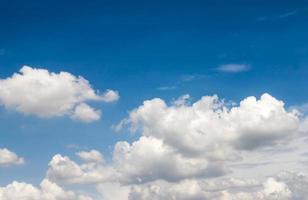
(182, 80)
(277, 17)
(83, 112)
(303, 108)
(72, 146)
(92, 156)
(8, 158)
(182, 100)
(166, 88)
(233, 68)
(110, 96)
(188, 77)
(191, 77)
(75, 146)
(288, 14)
(46, 94)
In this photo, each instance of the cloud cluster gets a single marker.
(283, 186)
(185, 152)
(8, 157)
(270, 189)
(46, 94)
(47, 191)
(182, 145)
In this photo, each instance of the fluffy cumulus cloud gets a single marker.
(44, 94)
(214, 129)
(63, 170)
(91, 156)
(187, 151)
(145, 160)
(8, 157)
(150, 159)
(47, 191)
(85, 113)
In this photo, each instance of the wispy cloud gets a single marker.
(182, 80)
(191, 77)
(288, 14)
(250, 165)
(277, 17)
(303, 108)
(233, 68)
(187, 77)
(166, 88)
(73, 146)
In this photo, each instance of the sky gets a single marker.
(151, 97)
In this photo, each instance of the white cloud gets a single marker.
(85, 113)
(47, 191)
(233, 68)
(278, 17)
(189, 151)
(285, 186)
(140, 162)
(182, 100)
(167, 88)
(8, 157)
(184, 144)
(42, 93)
(303, 108)
(210, 128)
(150, 159)
(113, 191)
(65, 171)
(110, 96)
(91, 156)
(222, 189)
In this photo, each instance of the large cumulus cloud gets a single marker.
(211, 127)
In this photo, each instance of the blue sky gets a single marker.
(119, 43)
(145, 50)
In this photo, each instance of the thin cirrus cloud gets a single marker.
(38, 92)
(278, 17)
(167, 88)
(233, 68)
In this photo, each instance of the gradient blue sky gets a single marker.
(145, 50)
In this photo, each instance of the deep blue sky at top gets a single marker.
(136, 47)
